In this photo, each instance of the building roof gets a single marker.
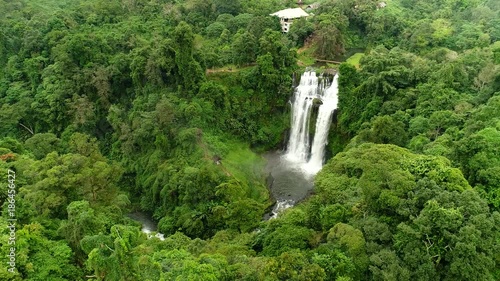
(313, 5)
(291, 13)
(381, 5)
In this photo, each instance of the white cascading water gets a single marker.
(150, 235)
(280, 206)
(323, 122)
(299, 150)
(300, 155)
(298, 145)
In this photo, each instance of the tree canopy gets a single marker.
(165, 107)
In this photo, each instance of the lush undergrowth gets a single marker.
(110, 106)
(355, 59)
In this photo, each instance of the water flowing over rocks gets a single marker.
(292, 172)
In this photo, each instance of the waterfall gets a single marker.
(298, 146)
(323, 122)
(292, 172)
(299, 149)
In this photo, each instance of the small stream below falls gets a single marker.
(148, 226)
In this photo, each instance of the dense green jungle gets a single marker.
(166, 106)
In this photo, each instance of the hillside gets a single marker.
(165, 107)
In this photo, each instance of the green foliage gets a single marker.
(245, 48)
(42, 144)
(110, 256)
(330, 35)
(300, 30)
(385, 130)
(292, 265)
(81, 222)
(190, 68)
(354, 60)
(418, 179)
(387, 266)
(334, 262)
(286, 238)
(106, 101)
(444, 226)
(37, 257)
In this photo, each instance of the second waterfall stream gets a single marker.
(309, 156)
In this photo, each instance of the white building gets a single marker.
(312, 6)
(288, 15)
